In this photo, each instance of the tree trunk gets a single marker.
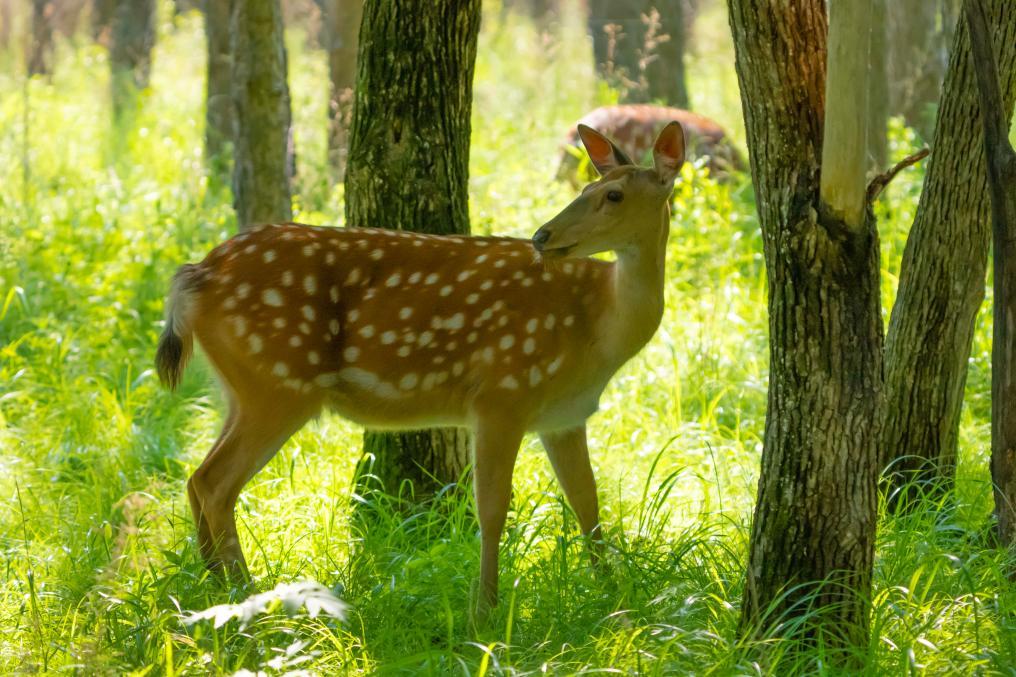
(813, 532)
(262, 167)
(942, 279)
(40, 49)
(1001, 171)
(638, 47)
(918, 55)
(878, 90)
(341, 29)
(132, 36)
(219, 99)
(665, 74)
(409, 168)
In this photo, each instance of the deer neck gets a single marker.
(637, 294)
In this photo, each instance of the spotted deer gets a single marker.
(633, 128)
(399, 330)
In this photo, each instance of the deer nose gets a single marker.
(540, 238)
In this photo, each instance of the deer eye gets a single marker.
(615, 196)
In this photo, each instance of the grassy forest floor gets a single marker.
(97, 546)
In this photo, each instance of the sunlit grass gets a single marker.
(96, 541)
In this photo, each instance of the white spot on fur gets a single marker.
(472, 298)
(431, 278)
(313, 357)
(269, 256)
(446, 290)
(455, 322)
(531, 325)
(308, 250)
(388, 337)
(327, 379)
(333, 293)
(367, 331)
(529, 346)
(509, 383)
(535, 376)
(281, 369)
(243, 290)
(305, 328)
(425, 339)
(272, 297)
(405, 313)
(549, 321)
(486, 285)
(481, 258)
(287, 278)
(239, 326)
(295, 341)
(353, 315)
(555, 364)
(393, 280)
(569, 320)
(279, 322)
(409, 381)
(333, 327)
(404, 351)
(308, 312)
(353, 277)
(229, 303)
(255, 343)
(351, 354)
(458, 368)
(310, 284)
(377, 254)
(507, 341)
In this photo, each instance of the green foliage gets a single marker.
(100, 567)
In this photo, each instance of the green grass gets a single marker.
(97, 549)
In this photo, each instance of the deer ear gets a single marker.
(602, 151)
(668, 151)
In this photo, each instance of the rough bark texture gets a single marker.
(921, 32)
(262, 161)
(942, 276)
(40, 49)
(815, 516)
(341, 28)
(638, 47)
(132, 36)
(218, 99)
(1001, 170)
(878, 88)
(409, 168)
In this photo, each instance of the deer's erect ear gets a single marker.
(668, 151)
(602, 151)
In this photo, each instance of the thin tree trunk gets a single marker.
(1001, 170)
(132, 37)
(918, 58)
(341, 28)
(409, 168)
(942, 279)
(40, 49)
(813, 531)
(262, 156)
(219, 119)
(878, 90)
(665, 72)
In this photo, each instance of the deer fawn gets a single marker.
(633, 128)
(399, 330)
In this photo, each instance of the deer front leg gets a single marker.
(497, 446)
(569, 455)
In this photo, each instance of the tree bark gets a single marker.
(219, 119)
(1001, 171)
(409, 169)
(812, 538)
(132, 36)
(942, 280)
(341, 30)
(40, 49)
(262, 157)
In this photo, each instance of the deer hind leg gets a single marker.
(497, 446)
(253, 434)
(569, 455)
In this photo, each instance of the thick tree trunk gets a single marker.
(638, 48)
(40, 49)
(409, 168)
(1001, 170)
(132, 36)
(918, 56)
(813, 532)
(218, 98)
(262, 158)
(942, 278)
(341, 28)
